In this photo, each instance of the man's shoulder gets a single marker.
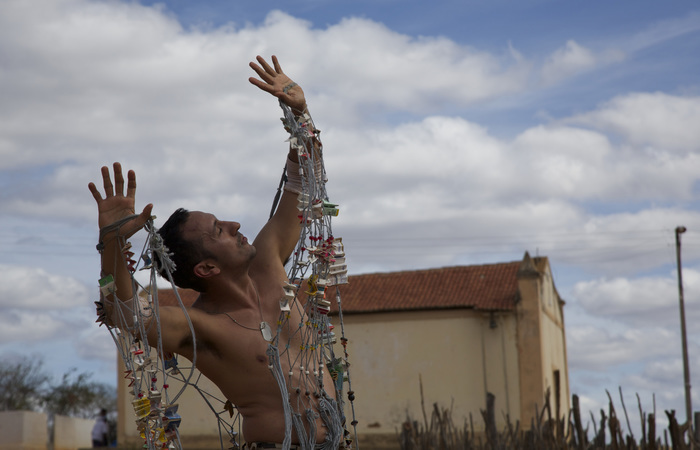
(265, 269)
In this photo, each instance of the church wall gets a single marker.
(456, 353)
(500, 364)
(555, 367)
(530, 349)
(541, 344)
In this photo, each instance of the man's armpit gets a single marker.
(203, 345)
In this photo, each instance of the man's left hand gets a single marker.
(278, 84)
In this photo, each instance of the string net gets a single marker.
(315, 271)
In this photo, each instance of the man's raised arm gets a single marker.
(279, 236)
(117, 221)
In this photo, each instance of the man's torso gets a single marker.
(233, 355)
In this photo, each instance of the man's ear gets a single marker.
(206, 269)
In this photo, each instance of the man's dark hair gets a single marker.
(184, 254)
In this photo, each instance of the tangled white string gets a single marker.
(318, 263)
(150, 370)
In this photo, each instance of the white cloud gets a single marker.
(101, 346)
(666, 123)
(642, 300)
(18, 326)
(95, 82)
(397, 71)
(664, 378)
(632, 334)
(40, 306)
(664, 30)
(83, 80)
(175, 105)
(566, 61)
(440, 158)
(565, 161)
(573, 59)
(596, 348)
(30, 288)
(179, 110)
(665, 371)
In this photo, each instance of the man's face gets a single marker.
(221, 240)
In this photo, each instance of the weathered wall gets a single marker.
(541, 341)
(554, 347)
(458, 354)
(23, 430)
(530, 346)
(27, 430)
(71, 433)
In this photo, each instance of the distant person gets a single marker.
(100, 431)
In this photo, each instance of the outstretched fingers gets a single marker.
(131, 186)
(95, 192)
(275, 82)
(276, 63)
(269, 70)
(116, 189)
(118, 180)
(107, 182)
(267, 75)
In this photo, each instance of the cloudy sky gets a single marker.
(464, 132)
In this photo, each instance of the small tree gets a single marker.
(23, 384)
(77, 396)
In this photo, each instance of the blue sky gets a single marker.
(455, 133)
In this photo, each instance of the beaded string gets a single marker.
(157, 417)
(318, 260)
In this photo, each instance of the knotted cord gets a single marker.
(318, 261)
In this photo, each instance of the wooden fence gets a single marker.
(439, 432)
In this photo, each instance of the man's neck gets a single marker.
(228, 295)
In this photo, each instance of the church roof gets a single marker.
(488, 287)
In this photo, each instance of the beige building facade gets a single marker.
(508, 342)
(28, 430)
(460, 332)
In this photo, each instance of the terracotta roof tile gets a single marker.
(485, 287)
(489, 287)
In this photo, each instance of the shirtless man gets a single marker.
(240, 286)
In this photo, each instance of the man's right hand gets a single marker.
(115, 205)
